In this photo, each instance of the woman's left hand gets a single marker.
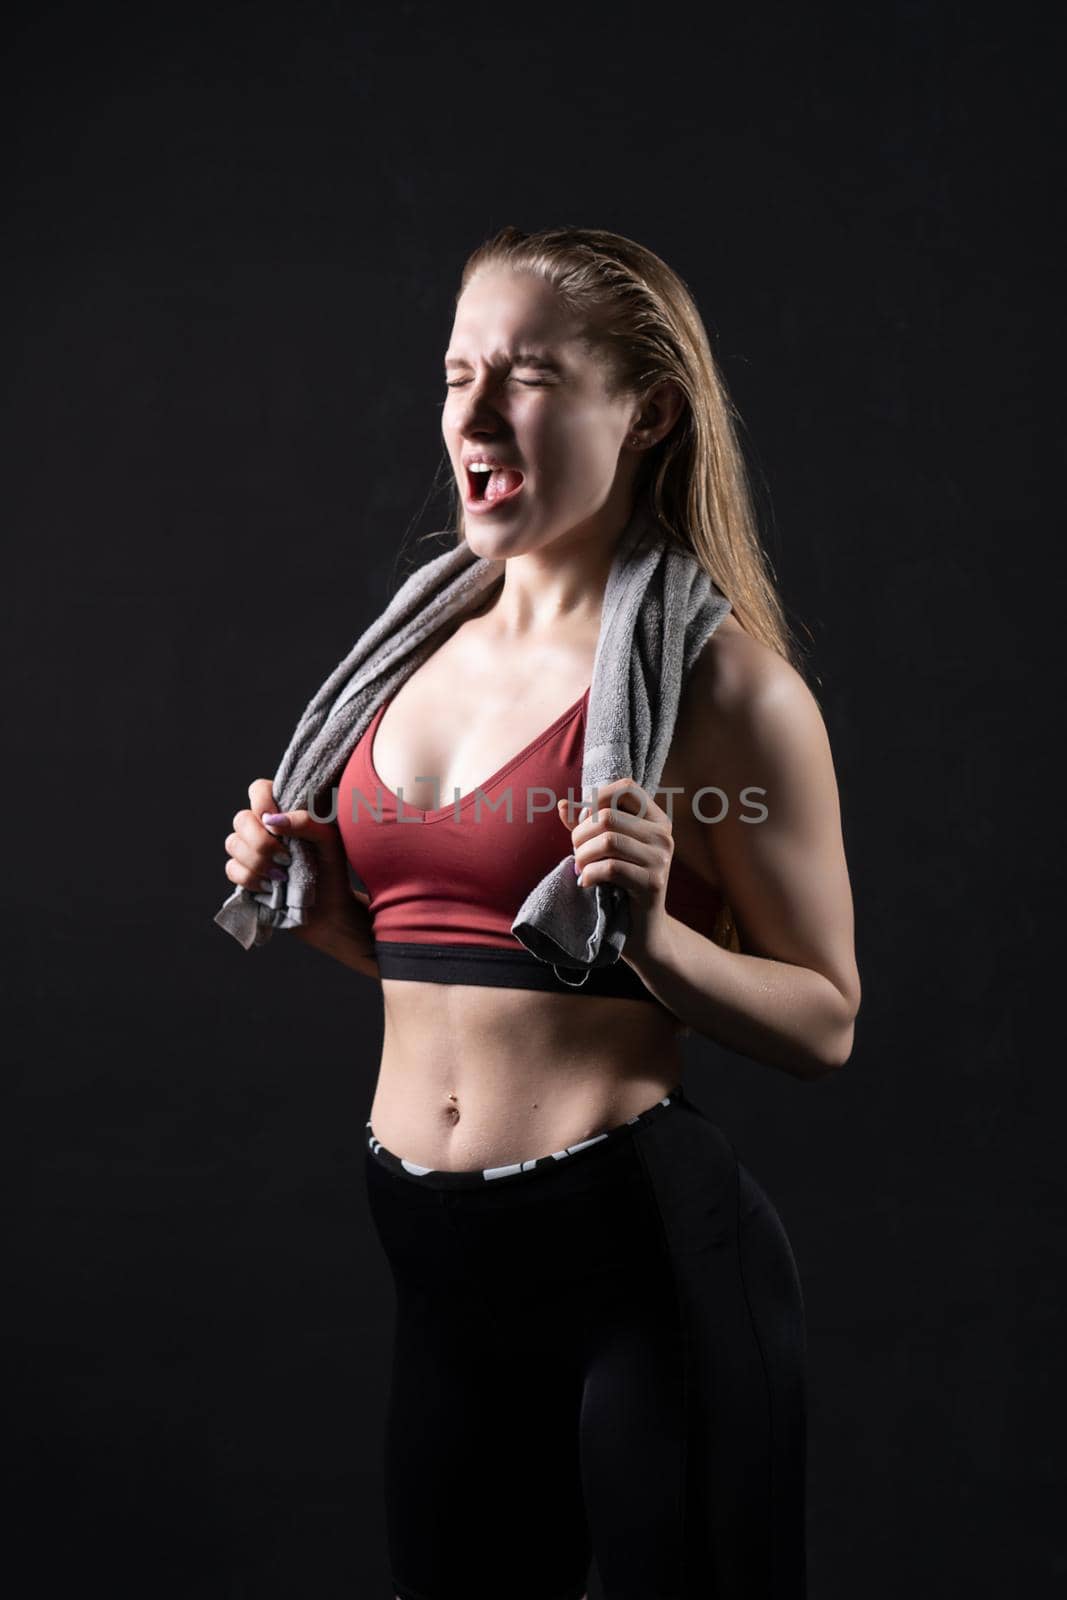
(628, 849)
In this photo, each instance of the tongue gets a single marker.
(501, 482)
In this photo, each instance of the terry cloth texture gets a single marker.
(660, 608)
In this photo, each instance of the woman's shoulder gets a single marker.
(734, 668)
(741, 685)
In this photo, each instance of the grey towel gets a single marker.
(660, 607)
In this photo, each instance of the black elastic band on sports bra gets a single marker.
(504, 969)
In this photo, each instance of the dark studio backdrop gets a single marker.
(232, 242)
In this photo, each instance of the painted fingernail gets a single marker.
(279, 874)
(275, 819)
(282, 857)
(577, 868)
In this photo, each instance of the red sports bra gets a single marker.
(445, 884)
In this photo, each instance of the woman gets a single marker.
(603, 1354)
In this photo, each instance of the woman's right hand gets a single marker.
(338, 919)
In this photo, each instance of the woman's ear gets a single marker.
(662, 407)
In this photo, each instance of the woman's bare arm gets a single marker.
(789, 998)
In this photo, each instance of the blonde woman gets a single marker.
(599, 1335)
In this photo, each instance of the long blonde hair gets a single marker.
(640, 314)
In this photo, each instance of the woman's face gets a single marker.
(525, 391)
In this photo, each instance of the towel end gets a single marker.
(239, 917)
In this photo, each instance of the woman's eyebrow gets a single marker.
(532, 358)
(521, 358)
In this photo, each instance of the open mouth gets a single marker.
(490, 488)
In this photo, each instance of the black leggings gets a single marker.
(598, 1353)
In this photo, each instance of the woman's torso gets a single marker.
(474, 1076)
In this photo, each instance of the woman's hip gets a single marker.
(666, 1184)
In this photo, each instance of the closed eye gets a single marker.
(530, 383)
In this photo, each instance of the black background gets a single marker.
(233, 239)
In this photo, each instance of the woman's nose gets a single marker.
(476, 402)
(479, 420)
